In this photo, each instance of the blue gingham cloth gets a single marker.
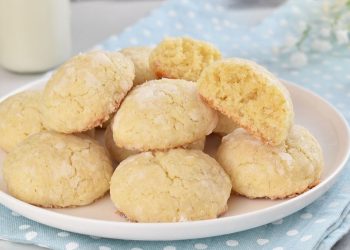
(296, 44)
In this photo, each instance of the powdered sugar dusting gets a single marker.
(183, 218)
(100, 58)
(159, 120)
(152, 91)
(286, 157)
(194, 115)
(125, 85)
(60, 145)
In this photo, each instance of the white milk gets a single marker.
(34, 34)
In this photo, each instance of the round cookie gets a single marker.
(49, 169)
(20, 118)
(177, 185)
(86, 90)
(162, 114)
(225, 125)
(249, 95)
(140, 57)
(119, 154)
(258, 170)
(182, 58)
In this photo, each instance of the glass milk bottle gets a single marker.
(34, 34)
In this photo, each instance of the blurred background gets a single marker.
(77, 26)
(38, 35)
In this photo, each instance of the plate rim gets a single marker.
(308, 197)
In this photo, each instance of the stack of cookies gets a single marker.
(267, 155)
(157, 107)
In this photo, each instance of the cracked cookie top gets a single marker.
(177, 185)
(49, 169)
(258, 170)
(162, 114)
(86, 90)
(20, 118)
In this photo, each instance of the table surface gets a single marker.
(94, 21)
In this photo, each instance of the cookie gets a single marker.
(140, 57)
(20, 118)
(251, 96)
(119, 154)
(182, 58)
(49, 169)
(172, 186)
(86, 90)
(225, 125)
(258, 170)
(162, 114)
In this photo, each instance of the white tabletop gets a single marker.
(94, 21)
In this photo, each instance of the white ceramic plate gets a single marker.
(100, 219)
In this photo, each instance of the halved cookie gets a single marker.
(251, 96)
(182, 58)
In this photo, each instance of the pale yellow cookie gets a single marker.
(86, 90)
(162, 114)
(251, 96)
(140, 57)
(225, 125)
(177, 185)
(182, 58)
(49, 169)
(119, 154)
(20, 117)
(258, 170)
